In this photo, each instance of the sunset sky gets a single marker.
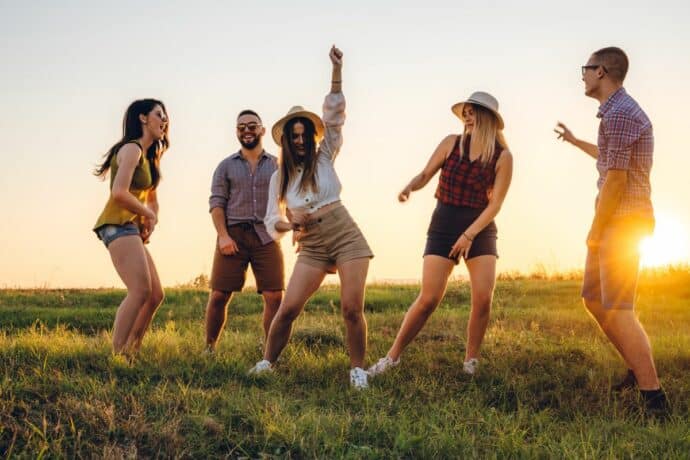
(68, 73)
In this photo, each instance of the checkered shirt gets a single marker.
(241, 194)
(464, 182)
(626, 142)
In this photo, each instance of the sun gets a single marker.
(668, 245)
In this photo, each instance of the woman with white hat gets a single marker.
(476, 169)
(307, 185)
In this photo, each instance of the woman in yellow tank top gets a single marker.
(130, 216)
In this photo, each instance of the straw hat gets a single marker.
(297, 112)
(486, 100)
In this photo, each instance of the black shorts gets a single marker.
(447, 224)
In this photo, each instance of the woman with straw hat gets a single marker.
(476, 169)
(307, 185)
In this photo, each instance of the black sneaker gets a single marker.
(656, 404)
(628, 383)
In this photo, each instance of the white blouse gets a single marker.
(326, 178)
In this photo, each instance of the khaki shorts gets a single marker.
(230, 272)
(332, 239)
(611, 268)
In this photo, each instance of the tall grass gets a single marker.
(542, 388)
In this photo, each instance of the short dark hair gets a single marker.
(248, 112)
(615, 60)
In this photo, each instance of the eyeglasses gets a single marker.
(593, 67)
(251, 127)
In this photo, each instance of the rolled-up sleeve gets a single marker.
(334, 119)
(274, 212)
(622, 132)
(219, 189)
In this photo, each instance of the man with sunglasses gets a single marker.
(239, 194)
(623, 216)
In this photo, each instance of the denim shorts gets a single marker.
(109, 232)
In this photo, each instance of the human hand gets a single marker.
(147, 223)
(297, 217)
(405, 194)
(227, 246)
(593, 238)
(461, 248)
(336, 56)
(296, 237)
(564, 133)
(150, 215)
(146, 229)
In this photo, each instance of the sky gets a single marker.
(69, 69)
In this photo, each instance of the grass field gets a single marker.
(542, 389)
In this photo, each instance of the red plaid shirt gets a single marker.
(464, 182)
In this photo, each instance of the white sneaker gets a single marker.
(262, 367)
(358, 378)
(382, 366)
(470, 366)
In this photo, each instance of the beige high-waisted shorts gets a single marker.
(331, 239)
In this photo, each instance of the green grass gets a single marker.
(541, 390)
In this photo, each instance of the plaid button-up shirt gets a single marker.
(626, 142)
(241, 194)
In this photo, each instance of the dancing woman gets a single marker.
(476, 169)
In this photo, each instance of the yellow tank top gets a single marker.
(140, 187)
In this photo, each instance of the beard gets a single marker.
(251, 144)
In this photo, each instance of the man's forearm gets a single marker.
(219, 221)
(590, 149)
(609, 198)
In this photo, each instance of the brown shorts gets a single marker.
(230, 272)
(332, 239)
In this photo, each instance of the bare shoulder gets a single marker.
(129, 152)
(506, 156)
(449, 140)
(446, 145)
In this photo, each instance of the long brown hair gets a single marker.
(132, 130)
(290, 160)
(484, 135)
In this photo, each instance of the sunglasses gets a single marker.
(251, 127)
(593, 67)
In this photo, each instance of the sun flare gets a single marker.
(668, 245)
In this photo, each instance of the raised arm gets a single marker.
(433, 165)
(566, 135)
(336, 73)
(334, 108)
